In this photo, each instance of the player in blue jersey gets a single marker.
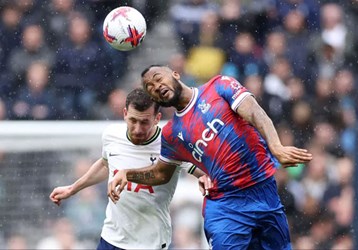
(220, 128)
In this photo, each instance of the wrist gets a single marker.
(72, 189)
(275, 149)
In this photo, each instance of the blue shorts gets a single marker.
(104, 245)
(250, 219)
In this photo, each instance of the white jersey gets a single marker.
(140, 219)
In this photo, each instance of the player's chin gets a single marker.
(137, 140)
(165, 103)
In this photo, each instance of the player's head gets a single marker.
(141, 115)
(162, 84)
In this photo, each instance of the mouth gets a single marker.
(137, 139)
(164, 93)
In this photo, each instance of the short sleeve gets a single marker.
(231, 90)
(167, 152)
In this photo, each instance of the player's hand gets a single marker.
(290, 156)
(61, 193)
(205, 184)
(116, 186)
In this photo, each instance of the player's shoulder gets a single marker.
(113, 130)
(168, 126)
(223, 80)
(213, 80)
(167, 129)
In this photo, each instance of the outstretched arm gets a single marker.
(251, 111)
(98, 172)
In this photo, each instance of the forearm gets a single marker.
(252, 112)
(147, 176)
(264, 125)
(154, 175)
(97, 173)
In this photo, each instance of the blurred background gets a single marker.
(61, 84)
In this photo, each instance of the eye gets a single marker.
(149, 87)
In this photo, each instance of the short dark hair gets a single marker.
(148, 68)
(141, 101)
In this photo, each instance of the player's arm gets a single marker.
(157, 174)
(204, 180)
(252, 112)
(98, 172)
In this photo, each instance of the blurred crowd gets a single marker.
(298, 57)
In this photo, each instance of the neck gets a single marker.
(185, 98)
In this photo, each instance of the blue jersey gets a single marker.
(211, 135)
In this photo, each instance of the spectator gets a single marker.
(326, 99)
(304, 242)
(322, 230)
(297, 37)
(113, 108)
(61, 236)
(187, 15)
(275, 47)
(345, 87)
(331, 45)
(31, 10)
(275, 85)
(206, 58)
(326, 136)
(302, 121)
(35, 101)
(178, 63)
(33, 48)
(287, 198)
(338, 197)
(57, 20)
(343, 242)
(82, 72)
(234, 19)
(309, 8)
(246, 56)
(315, 181)
(254, 83)
(347, 137)
(10, 32)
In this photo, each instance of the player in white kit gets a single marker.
(141, 220)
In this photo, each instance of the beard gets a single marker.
(172, 102)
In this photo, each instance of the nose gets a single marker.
(137, 129)
(157, 87)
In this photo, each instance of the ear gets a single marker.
(125, 112)
(176, 75)
(157, 118)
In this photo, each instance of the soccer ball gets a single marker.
(124, 28)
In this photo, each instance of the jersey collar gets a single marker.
(190, 104)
